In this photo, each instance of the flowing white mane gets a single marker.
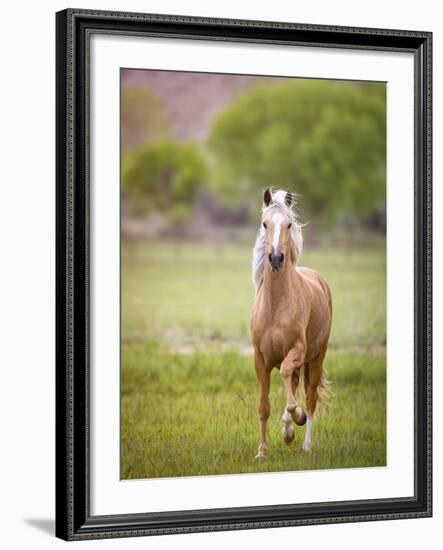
(296, 237)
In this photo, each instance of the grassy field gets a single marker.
(189, 392)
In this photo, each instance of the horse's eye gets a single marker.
(289, 226)
(264, 225)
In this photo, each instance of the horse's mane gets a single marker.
(295, 233)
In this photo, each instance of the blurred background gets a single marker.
(204, 146)
(197, 152)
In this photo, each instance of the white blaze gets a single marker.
(278, 219)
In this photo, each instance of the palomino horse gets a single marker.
(291, 318)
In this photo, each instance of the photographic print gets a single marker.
(253, 274)
(244, 297)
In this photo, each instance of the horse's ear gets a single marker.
(288, 199)
(267, 197)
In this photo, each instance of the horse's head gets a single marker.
(279, 228)
(279, 240)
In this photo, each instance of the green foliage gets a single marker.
(163, 176)
(325, 140)
(143, 117)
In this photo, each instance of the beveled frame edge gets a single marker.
(73, 519)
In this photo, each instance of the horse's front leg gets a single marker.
(264, 407)
(290, 373)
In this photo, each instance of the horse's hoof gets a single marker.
(299, 416)
(305, 448)
(288, 435)
(262, 453)
(261, 456)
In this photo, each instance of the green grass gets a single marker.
(189, 393)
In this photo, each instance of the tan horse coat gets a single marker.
(290, 324)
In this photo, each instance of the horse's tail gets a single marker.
(323, 388)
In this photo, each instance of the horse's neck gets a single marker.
(280, 289)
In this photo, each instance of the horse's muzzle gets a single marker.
(276, 260)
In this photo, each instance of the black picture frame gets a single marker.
(74, 28)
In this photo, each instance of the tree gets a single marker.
(325, 140)
(143, 117)
(163, 176)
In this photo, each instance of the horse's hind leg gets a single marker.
(313, 378)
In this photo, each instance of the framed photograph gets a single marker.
(243, 274)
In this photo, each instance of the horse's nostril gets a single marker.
(270, 257)
(282, 257)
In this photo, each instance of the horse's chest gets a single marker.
(275, 340)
